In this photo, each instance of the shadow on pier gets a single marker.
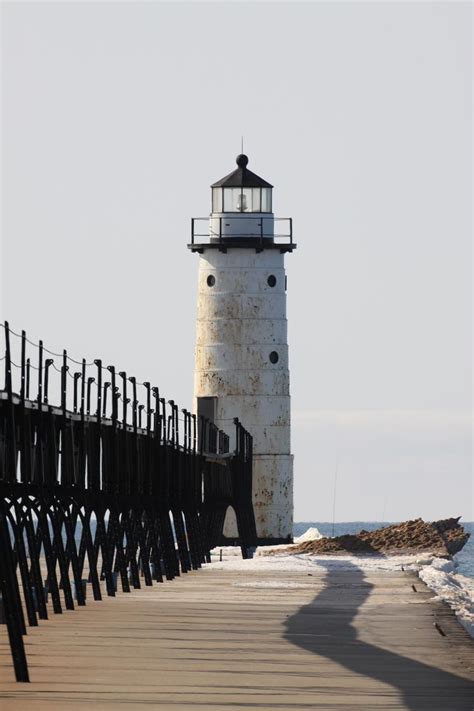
(324, 627)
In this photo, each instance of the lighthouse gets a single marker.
(241, 356)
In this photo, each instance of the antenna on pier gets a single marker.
(334, 496)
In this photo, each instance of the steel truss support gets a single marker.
(92, 499)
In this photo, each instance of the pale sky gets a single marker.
(116, 117)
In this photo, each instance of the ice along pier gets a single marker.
(241, 361)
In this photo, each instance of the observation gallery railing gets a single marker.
(244, 230)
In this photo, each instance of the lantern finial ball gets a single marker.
(242, 160)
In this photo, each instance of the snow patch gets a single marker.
(454, 589)
(306, 562)
(311, 534)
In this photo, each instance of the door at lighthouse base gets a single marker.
(207, 406)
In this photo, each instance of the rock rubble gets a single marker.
(442, 538)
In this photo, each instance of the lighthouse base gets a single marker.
(272, 494)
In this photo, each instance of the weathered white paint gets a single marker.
(240, 321)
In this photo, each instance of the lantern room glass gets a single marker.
(266, 199)
(216, 199)
(241, 200)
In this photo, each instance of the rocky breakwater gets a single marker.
(440, 538)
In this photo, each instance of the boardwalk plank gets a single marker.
(344, 640)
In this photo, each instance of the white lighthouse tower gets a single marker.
(241, 366)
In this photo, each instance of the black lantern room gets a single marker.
(241, 216)
(241, 191)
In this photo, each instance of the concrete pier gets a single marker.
(262, 640)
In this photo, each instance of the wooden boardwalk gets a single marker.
(225, 640)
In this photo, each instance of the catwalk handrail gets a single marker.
(107, 487)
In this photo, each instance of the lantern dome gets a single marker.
(241, 191)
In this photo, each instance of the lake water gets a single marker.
(464, 559)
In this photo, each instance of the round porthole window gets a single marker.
(211, 280)
(271, 281)
(273, 357)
